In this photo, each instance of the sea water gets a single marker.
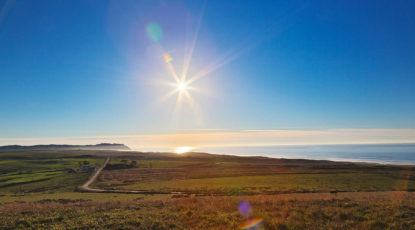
(380, 153)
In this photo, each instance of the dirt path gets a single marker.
(85, 187)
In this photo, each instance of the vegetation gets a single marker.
(250, 176)
(25, 174)
(384, 210)
(39, 189)
(281, 183)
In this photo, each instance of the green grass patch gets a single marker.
(281, 183)
(30, 175)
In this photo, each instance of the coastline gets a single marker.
(387, 154)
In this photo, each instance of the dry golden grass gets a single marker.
(55, 204)
(378, 210)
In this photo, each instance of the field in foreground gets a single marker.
(362, 210)
(40, 189)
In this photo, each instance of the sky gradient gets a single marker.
(73, 70)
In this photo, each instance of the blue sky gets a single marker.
(88, 68)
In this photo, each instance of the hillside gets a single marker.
(102, 146)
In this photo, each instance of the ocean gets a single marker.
(379, 153)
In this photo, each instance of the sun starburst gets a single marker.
(183, 81)
(182, 86)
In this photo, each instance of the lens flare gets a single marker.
(154, 32)
(244, 208)
(167, 58)
(251, 224)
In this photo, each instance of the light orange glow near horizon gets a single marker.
(227, 138)
(183, 149)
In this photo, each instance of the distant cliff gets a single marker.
(102, 146)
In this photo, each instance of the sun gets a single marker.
(183, 82)
(181, 86)
(183, 149)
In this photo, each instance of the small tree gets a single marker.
(133, 163)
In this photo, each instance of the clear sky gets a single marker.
(99, 68)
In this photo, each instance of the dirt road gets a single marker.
(85, 187)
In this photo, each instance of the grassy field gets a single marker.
(250, 176)
(282, 183)
(384, 210)
(39, 189)
(24, 174)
